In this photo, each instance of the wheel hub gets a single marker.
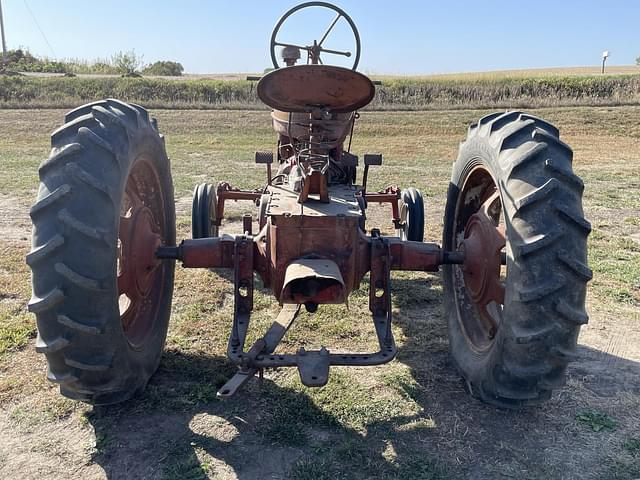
(139, 252)
(139, 237)
(482, 247)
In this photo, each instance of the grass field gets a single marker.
(410, 419)
(522, 73)
(514, 89)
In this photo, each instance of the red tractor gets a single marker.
(513, 253)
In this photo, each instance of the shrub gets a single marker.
(23, 61)
(164, 68)
(127, 62)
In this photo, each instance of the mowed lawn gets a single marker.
(410, 419)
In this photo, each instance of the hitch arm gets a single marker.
(264, 346)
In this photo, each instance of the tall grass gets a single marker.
(509, 92)
(394, 94)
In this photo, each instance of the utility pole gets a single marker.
(4, 43)
(605, 55)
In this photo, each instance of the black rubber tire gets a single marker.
(547, 272)
(74, 257)
(203, 212)
(412, 213)
(265, 198)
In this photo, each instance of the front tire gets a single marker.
(411, 206)
(513, 329)
(203, 211)
(101, 298)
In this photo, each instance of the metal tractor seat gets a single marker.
(330, 94)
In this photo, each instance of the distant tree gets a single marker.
(638, 61)
(164, 68)
(127, 63)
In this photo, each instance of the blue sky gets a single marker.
(399, 37)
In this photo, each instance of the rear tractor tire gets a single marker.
(513, 328)
(101, 298)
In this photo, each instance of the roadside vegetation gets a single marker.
(427, 93)
(127, 63)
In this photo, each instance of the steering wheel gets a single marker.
(314, 51)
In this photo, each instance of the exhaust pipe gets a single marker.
(312, 282)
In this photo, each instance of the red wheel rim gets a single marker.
(479, 281)
(141, 231)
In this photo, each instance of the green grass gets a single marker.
(311, 469)
(17, 326)
(633, 446)
(616, 259)
(597, 421)
(341, 401)
(15, 330)
(351, 459)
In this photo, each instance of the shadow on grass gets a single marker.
(177, 429)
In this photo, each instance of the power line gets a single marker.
(38, 25)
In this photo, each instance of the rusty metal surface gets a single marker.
(313, 280)
(140, 234)
(380, 292)
(315, 230)
(214, 252)
(242, 292)
(304, 88)
(390, 195)
(415, 256)
(284, 202)
(313, 366)
(226, 191)
(265, 345)
(247, 224)
(298, 126)
(480, 238)
(482, 246)
(316, 183)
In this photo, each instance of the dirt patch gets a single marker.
(15, 223)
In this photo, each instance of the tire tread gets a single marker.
(77, 209)
(546, 210)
